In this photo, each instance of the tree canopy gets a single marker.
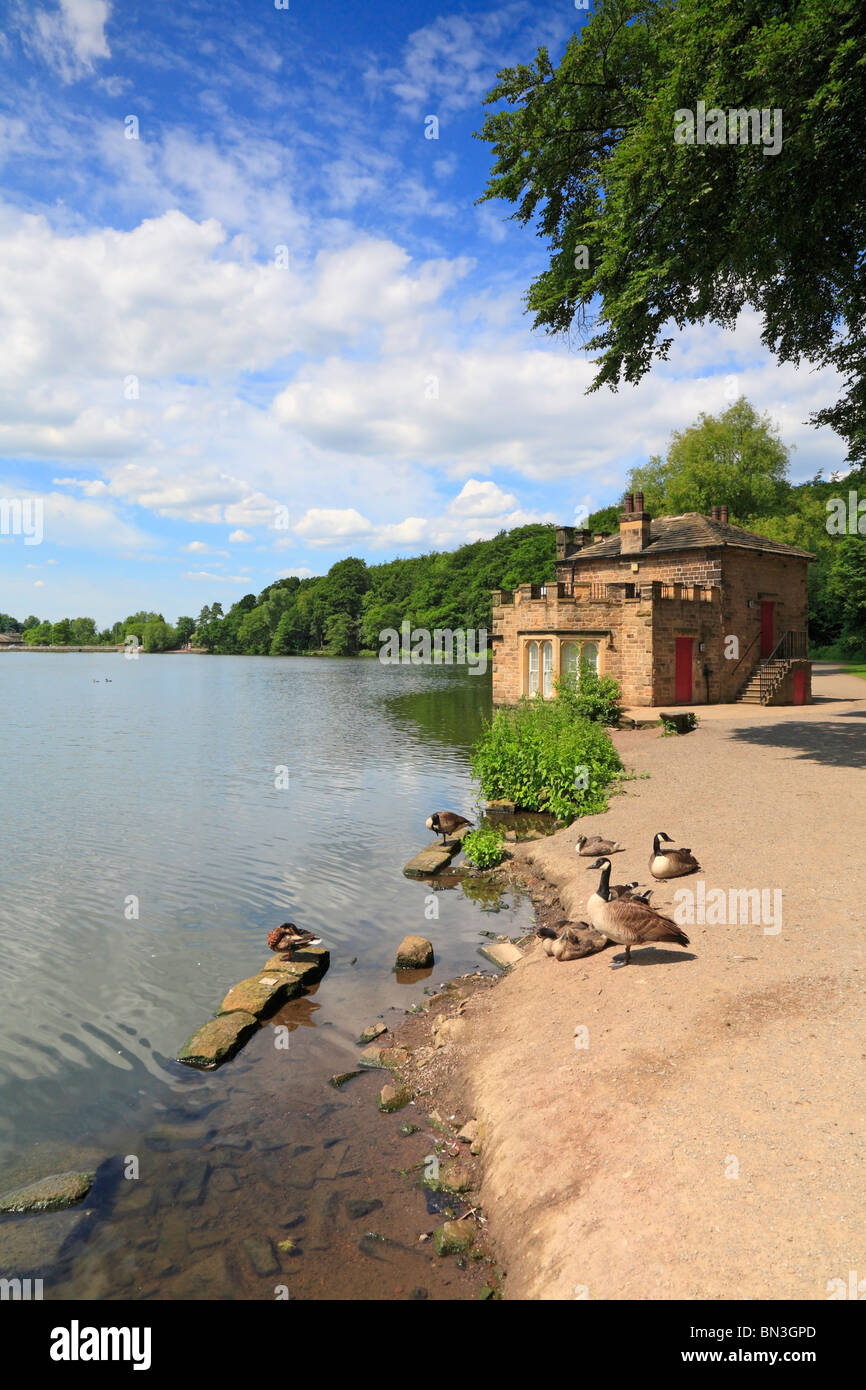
(647, 234)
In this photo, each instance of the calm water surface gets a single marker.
(154, 793)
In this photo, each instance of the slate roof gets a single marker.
(689, 532)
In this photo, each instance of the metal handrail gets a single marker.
(791, 646)
(743, 657)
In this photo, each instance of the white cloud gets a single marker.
(299, 572)
(240, 536)
(216, 578)
(479, 510)
(333, 526)
(482, 499)
(70, 38)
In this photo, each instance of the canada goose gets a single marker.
(623, 890)
(670, 863)
(628, 921)
(563, 943)
(445, 823)
(594, 845)
(289, 938)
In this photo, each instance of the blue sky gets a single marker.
(274, 329)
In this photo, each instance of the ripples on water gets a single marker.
(160, 786)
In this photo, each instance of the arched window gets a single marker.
(547, 673)
(570, 661)
(532, 685)
(589, 656)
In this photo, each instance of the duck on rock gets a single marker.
(289, 938)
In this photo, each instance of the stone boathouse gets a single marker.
(683, 610)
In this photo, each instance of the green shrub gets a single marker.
(593, 697)
(544, 757)
(484, 847)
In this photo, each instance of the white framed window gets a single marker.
(547, 671)
(532, 683)
(589, 656)
(570, 661)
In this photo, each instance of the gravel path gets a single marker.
(708, 1141)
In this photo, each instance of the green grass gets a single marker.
(856, 671)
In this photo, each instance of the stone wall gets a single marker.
(784, 694)
(700, 619)
(675, 566)
(780, 579)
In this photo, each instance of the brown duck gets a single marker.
(289, 938)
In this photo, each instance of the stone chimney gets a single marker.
(725, 514)
(564, 538)
(634, 525)
(569, 538)
(714, 515)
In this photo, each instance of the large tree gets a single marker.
(736, 457)
(676, 233)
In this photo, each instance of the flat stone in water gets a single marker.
(218, 1040)
(53, 1193)
(261, 1255)
(260, 994)
(360, 1206)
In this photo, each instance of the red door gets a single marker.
(768, 628)
(800, 686)
(684, 670)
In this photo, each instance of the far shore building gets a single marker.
(682, 610)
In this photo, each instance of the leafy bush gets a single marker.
(544, 757)
(593, 697)
(484, 847)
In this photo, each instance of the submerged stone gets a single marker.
(340, 1079)
(393, 1098)
(53, 1193)
(218, 1040)
(454, 1238)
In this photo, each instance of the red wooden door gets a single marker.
(684, 669)
(800, 686)
(768, 628)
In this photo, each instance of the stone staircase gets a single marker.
(764, 681)
(772, 670)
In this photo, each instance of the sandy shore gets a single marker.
(707, 1140)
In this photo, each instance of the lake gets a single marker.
(157, 825)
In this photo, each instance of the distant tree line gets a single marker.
(342, 612)
(153, 632)
(735, 457)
